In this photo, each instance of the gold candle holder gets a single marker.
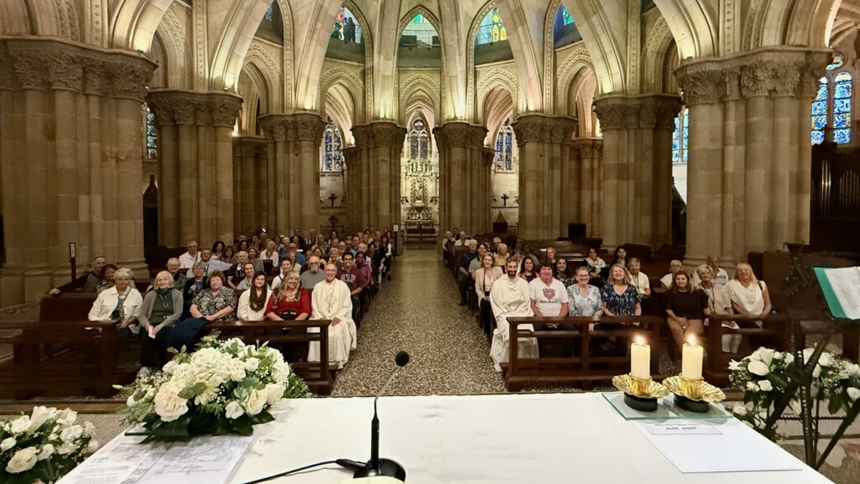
(640, 387)
(692, 389)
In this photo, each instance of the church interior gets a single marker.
(715, 134)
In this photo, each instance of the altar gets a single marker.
(499, 439)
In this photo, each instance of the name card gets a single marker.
(681, 427)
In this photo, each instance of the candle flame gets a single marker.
(640, 341)
(692, 341)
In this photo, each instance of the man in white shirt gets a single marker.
(720, 274)
(187, 260)
(286, 269)
(509, 298)
(212, 264)
(549, 299)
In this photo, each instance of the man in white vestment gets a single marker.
(331, 300)
(509, 298)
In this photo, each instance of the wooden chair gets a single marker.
(584, 368)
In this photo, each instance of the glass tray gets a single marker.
(666, 410)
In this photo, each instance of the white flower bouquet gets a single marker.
(223, 387)
(43, 446)
(764, 377)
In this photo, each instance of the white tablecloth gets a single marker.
(493, 439)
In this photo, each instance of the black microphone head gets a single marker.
(402, 358)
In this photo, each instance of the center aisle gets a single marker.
(417, 312)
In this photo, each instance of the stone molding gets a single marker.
(49, 64)
(539, 128)
(387, 134)
(305, 126)
(587, 148)
(194, 108)
(772, 72)
(249, 146)
(638, 112)
(458, 134)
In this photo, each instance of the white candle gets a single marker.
(691, 361)
(640, 359)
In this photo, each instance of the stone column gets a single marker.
(586, 173)
(485, 218)
(542, 142)
(749, 151)
(374, 184)
(352, 189)
(199, 169)
(464, 196)
(293, 170)
(249, 156)
(637, 201)
(70, 160)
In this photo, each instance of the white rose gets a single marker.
(170, 367)
(71, 434)
(274, 392)
(233, 410)
(252, 364)
(67, 417)
(237, 374)
(758, 368)
(765, 385)
(853, 393)
(40, 416)
(751, 386)
(755, 356)
(67, 448)
(20, 424)
(255, 402)
(826, 359)
(7, 444)
(766, 355)
(853, 370)
(740, 410)
(93, 446)
(777, 355)
(47, 451)
(789, 358)
(168, 405)
(280, 372)
(23, 460)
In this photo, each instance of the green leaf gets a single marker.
(835, 404)
(777, 381)
(242, 425)
(192, 391)
(177, 428)
(249, 383)
(262, 417)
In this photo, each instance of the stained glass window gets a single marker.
(504, 160)
(269, 12)
(833, 105)
(151, 137)
(332, 148)
(492, 29)
(566, 19)
(680, 137)
(419, 141)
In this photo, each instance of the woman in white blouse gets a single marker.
(749, 296)
(122, 302)
(252, 303)
(485, 277)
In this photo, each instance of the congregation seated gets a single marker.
(485, 277)
(179, 279)
(228, 255)
(464, 278)
(620, 298)
(749, 295)
(675, 267)
(549, 298)
(527, 270)
(290, 301)
(719, 275)
(549, 257)
(162, 308)
(583, 298)
(242, 246)
(248, 280)
(287, 268)
(313, 275)
(562, 271)
(107, 281)
(253, 301)
(526, 252)
(331, 300)
(218, 250)
(639, 279)
(482, 250)
(94, 278)
(686, 308)
(217, 302)
(720, 304)
(236, 273)
(509, 298)
(189, 258)
(254, 258)
(462, 239)
(502, 255)
(595, 266)
(620, 257)
(196, 283)
(121, 302)
(211, 264)
(354, 280)
(271, 253)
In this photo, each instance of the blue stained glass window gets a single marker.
(819, 112)
(268, 15)
(833, 105)
(818, 123)
(419, 141)
(842, 105)
(565, 16)
(819, 108)
(332, 149)
(817, 137)
(504, 160)
(680, 137)
(842, 136)
(151, 137)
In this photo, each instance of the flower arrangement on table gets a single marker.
(223, 387)
(43, 446)
(764, 377)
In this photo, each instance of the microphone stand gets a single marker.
(376, 466)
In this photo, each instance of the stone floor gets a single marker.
(417, 312)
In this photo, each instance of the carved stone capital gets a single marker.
(248, 146)
(225, 109)
(488, 155)
(659, 111)
(617, 112)
(308, 127)
(351, 156)
(194, 108)
(586, 148)
(529, 128)
(275, 127)
(363, 136)
(387, 134)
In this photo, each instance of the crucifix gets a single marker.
(332, 198)
(505, 198)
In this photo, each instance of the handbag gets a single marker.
(288, 315)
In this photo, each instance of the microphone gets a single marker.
(376, 466)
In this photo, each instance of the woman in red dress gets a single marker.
(290, 302)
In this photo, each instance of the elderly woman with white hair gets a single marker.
(122, 302)
(161, 310)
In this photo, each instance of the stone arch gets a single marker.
(549, 55)
(172, 36)
(498, 105)
(581, 94)
(159, 53)
(253, 88)
(242, 21)
(340, 105)
(804, 22)
(693, 24)
(270, 73)
(568, 70)
(498, 77)
(133, 23)
(33, 17)
(470, 58)
(352, 83)
(659, 39)
(413, 84)
(592, 20)
(367, 36)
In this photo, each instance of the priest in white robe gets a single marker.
(509, 298)
(331, 300)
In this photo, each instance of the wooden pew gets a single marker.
(776, 333)
(583, 369)
(41, 352)
(316, 374)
